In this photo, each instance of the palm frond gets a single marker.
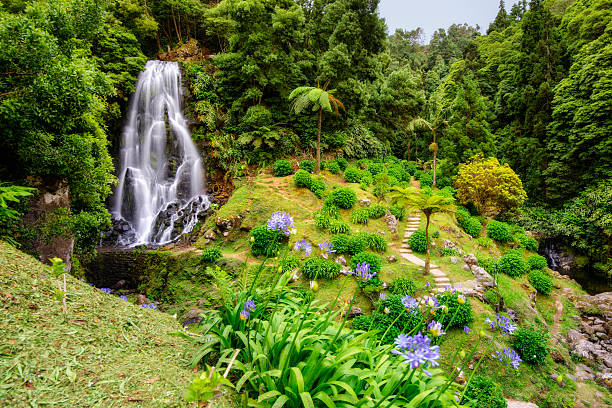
(299, 91)
(301, 102)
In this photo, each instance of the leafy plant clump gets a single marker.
(459, 312)
(290, 263)
(377, 211)
(317, 187)
(357, 243)
(265, 242)
(541, 281)
(360, 216)
(531, 344)
(352, 175)
(210, 255)
(398, 212)
(372, 260)
(343, 197)
(333, 167)
(499, 231)
(537, 262)
(319, 268)
(342, 163)
(307, 165)
(340, 243)
(529, 243)
(339, 227)
(377, 243)
(282, 168)
(483, 392)
(302, 179)
(484, 242)
(448, 252)
(403, 287)
(471, 226)
(512, 264)
(418, 241)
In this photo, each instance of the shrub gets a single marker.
(340, 243)
(317, 187)
(484, 393)
(371, 259)
(352, 175)
(339, 227)
(418, 241)
(512, 264)
(410, 168)
(308, 165)
(265, 241)
(531, 345)
(363, 163)
(376, 168)
(398, 212)
(464, 311)
(529, 243)
(541, 281)
(330, 209)
(210, 255)
(377, 211)
(357, 243)
(484, 242)
(492, 297)
(499, 231)
(426, 180)
(448, 252)
(398, 172)
(343, 197)
(403, 286)
(342, 163)
(377, 243)
(319, 268)
(537, 262)
(290, 263)
(302, 178)
(447, 191)
(322, 221)
(472, 226)
(360, 216)
(282, 168)
(333, 167)
(489, 264)
(366, 180)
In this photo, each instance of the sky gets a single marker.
(433, 14)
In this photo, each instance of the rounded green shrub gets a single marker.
(308, 165)
(371, 259)
(463, 312)
(356, 243)
(499, 231)
(484, 242)
(398, 212)
(529, 243)
(472, 226)
(410, 168)
(319, 268)
(282, 168)
(265, 241)
(210, 255)
(302, 178)
(426, 180)
(342, 162)
(397, 171)
(483, 392)
(290, 263)
(489, 264)
(403, 286)
(340, 243)
(352, 175)
(418, 241)
(343, 197)
(537, 262)
(317, 187)
(448, 252)
(377, 210)
(360, 216)
(333, 167)
(376, 168)
(512, 264)
(377, 243)
(330, 209)
(339, 227)
(322, 221)
(541, 281)
(531, 344)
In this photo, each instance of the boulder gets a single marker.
(355, 311)
(465, 267)
(142, 300)
(454, 259)
(470, 259)
(483, 276)
(341, 260)
(210, 234)
(391, 258)
(228, 223)
(392, 224)
(364, 202)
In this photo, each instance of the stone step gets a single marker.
(416, 260)
(441, 281)
(436, 273)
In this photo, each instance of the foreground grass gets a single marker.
(104, 352)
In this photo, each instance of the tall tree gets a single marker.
(501, 21)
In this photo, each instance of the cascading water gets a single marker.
(161, 178)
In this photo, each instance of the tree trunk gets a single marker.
(434, 158)
(426, 272)
(318, 168)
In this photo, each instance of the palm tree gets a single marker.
(416, 200)
(321, 100)
(433, 126)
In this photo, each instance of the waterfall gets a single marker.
(161, 178)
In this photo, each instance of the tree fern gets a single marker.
(222, 283)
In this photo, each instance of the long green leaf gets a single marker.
(306, 400)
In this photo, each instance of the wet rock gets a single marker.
(229, 223)
(391, 258)
(119, 284)
(364, 202)
(210, 234)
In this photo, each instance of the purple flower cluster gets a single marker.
(123, 297)
(281, 222)
(327, 248)
(466, 330)
(105, 290)
(417, 351)
(410, 303)
(302, 245)
(450, 289)
(382, 296)
(362, 271)
(502, 324)
(508, 357)
(247, 307)
(435, 329)
(149, 306)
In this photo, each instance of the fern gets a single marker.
(223, 283)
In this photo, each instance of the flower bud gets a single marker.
(462, 354)
(482, 333)
(461, 299)
(280, 269)
(559, 379)
(445, 309)
(314, 286)
(252, 239)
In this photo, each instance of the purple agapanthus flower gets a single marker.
(466, 330)
(362, 271)
(426, 284)
(327, 248)
(244, 314)
(149, 306)
(450, 289)
(508, 357)
(248, 305)
(105, 290)
(382, 296)
(123, 297)
(502, 324)
(435, 328)
(302, 245)
(281, 222)
(417, 351)
(409, 302)
(432, 303)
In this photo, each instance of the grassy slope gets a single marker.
(104, 353)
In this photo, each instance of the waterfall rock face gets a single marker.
(161, 178)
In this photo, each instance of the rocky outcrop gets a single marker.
(365, 202)
(392, 224)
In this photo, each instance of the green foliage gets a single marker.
(360, 216)
(398, 212)
(317, 187)
(537, 262)
(322, 221)
(264, 241)
(302, 179)
(471, 226)
(10, 196)
(333, 167)
(458, 315)
(289, 263)
(371, 259)
(485, 242)
(343, 197)
(512, 264)
(418, 241)
(352, 175)
(426, 180)
(357, 243)
(376, 168)
(531, 344)
(483, 392)
(490, 264)
(282, 168)
(377, 210)
(339, 227)
(308, 165)
(206, 386)
(210, 255)
(340, 243)
(319, 268)
(492, 297)
(342, 163)
(330, 209)
(448, 252)
(381, 185)
(529, 243)
(499, 231)
(377, 243)
(541, 281)
(402, 287)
